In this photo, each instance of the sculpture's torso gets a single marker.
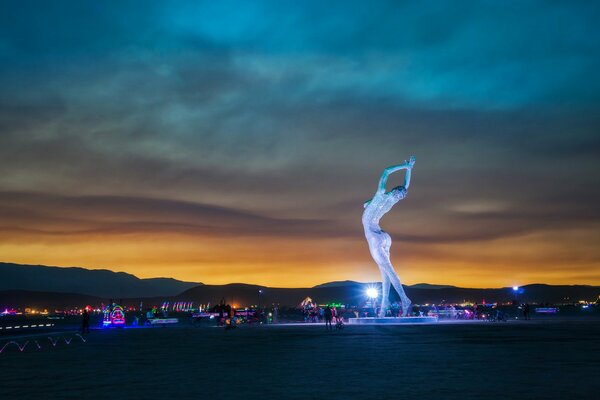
(375, 210)
(379, 240)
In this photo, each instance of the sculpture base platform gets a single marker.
(392, 320)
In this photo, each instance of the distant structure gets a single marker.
(114, 316)
(379, 240)
(307, 303)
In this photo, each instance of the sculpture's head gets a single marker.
(398, 193)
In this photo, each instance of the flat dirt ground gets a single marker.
(514, 360)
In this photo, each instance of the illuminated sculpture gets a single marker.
(379, 240)
(113, 316)
(117, 316)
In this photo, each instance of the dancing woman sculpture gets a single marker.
(379, 241)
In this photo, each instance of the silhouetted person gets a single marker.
(526, 311)
(220, 308)
(328, 316)
(85, 321)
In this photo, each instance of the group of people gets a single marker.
(226, 313)
(331, 315)
(328, 314)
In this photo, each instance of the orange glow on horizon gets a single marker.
(300, 262)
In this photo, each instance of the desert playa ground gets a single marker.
(515, 360)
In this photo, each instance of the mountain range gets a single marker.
(56, 287)
(355, 293)
(93, 282)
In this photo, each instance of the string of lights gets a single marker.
(53, 341)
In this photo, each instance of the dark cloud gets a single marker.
(43, 214)
(47, 215)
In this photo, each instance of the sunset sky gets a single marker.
(223, 142)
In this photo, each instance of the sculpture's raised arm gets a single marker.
(407, 165)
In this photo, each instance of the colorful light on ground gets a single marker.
(117, 316)
(114, 316)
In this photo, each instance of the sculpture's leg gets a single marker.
(385, 294)
(395, 281)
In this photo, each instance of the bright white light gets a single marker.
(372, 293)
(515, 288)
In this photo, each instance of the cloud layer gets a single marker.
(230, 140)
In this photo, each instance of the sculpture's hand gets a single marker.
(411, 161)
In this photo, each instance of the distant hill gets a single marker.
(96, 282)
(33, 285)
(354, 293)
(240, 294)
(529, 293)
(338, 284)
(430, 286)
(354, 283)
